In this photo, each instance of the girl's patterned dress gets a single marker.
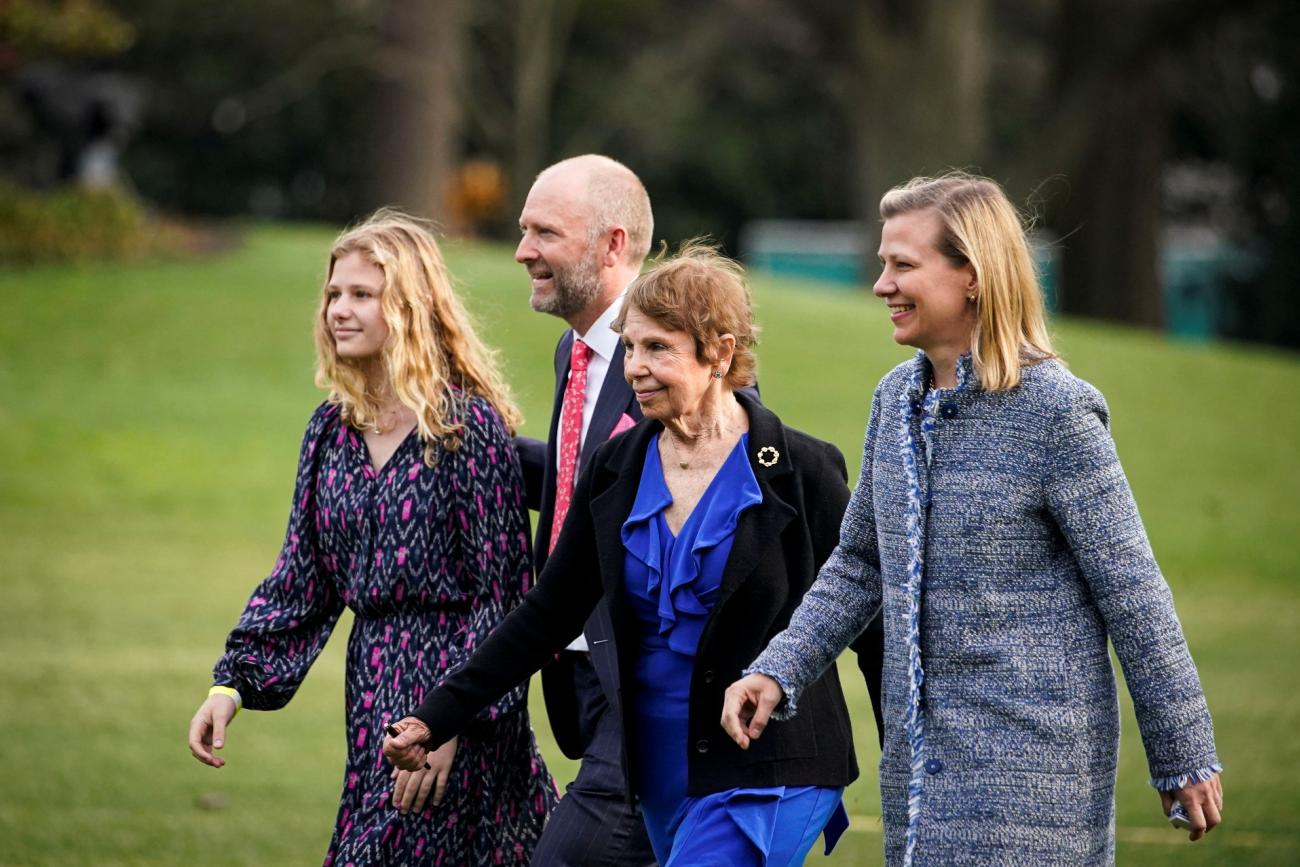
(429, 560)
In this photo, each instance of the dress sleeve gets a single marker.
(490, 512)
(1090, 500)
(290, 615)
(844, 597)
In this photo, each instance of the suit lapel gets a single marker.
(611, 403)
(562, 354)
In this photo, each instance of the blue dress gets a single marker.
(672, 584)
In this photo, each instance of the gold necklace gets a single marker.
(379, 428)
(686, 465)
(672, 442)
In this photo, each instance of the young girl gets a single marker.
(409, 510)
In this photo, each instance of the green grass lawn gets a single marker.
(150, 417)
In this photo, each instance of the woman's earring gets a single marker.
(970, 297)
(717, 374)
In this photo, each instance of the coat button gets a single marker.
(708, 676)
(701, 746)
(933, 766)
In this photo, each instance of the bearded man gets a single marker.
(586, 228)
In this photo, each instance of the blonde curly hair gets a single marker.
(432, 357)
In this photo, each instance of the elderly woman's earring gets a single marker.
(717, 374)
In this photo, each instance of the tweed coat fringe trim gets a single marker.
(1178, 781)
(917, 502)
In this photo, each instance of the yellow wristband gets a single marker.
(229, 691)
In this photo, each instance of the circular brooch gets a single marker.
(768, 456)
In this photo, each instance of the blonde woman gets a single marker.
(993, 522)
(409, 510)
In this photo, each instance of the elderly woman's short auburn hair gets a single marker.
(703, 293)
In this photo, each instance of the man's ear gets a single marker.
(615, 247)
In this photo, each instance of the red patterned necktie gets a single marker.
(575, 394)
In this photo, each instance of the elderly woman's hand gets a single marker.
(1203, 803)
(406, 744)
(747, 706)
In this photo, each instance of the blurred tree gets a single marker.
(723, 109)
(416, 116)
(541, 36)
(913, 86)
(730, 111)
(41, 30)
(62, 118)
(1112, 218)
(256, 106)
(1239, 116)
(1107, 112)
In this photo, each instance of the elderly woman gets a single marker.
(993, 522)
(408, 509)
(701, 528)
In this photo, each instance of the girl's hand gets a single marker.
(208, 728)
(413, 787)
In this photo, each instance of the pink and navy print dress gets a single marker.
(429, 560)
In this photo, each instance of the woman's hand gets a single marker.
(1203, 803)
(407, 750)
(208, 728)
(413, 787)
(747, 706)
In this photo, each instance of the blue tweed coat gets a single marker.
(999, 533)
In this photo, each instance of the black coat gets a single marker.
(779, 546)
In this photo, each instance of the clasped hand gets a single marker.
(408, 750)
(412, 788)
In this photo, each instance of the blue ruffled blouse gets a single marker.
(672, 583)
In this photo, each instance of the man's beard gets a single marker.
(574, 288)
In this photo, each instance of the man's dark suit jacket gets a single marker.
(779, 546)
